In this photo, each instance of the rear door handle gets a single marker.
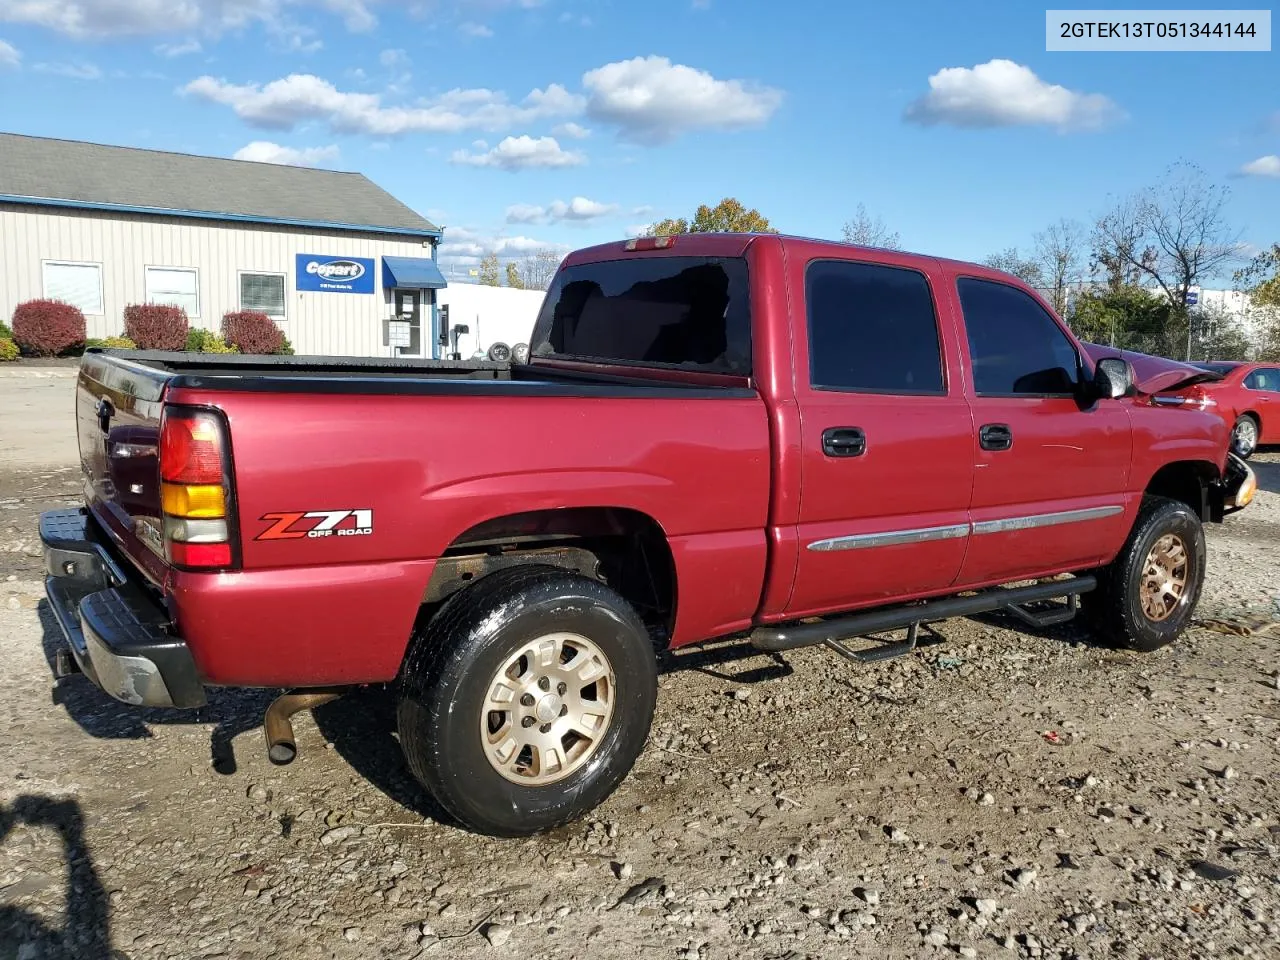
(995, 436)
(844, 442)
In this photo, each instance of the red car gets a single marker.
(1247, 397)
(796, 442)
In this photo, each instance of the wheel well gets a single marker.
(624, 548)
(1186, 481)
(1253, 415)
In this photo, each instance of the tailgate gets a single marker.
(118, 406)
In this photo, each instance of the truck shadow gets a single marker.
(86, 930)
(232, 712)
(362, 728)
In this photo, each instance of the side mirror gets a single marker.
(1113, 378)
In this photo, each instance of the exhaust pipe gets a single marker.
(278, 724)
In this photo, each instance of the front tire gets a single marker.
(526, 700)
(1147, 595)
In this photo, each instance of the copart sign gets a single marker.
(323, 274)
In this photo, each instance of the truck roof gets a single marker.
(736, 244)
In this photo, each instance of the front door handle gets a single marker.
(995, 436)
(844, 442)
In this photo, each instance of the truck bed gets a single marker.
(387, 375)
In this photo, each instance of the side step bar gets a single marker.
(831, 632)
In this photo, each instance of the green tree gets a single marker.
(1028, 271)
(489, 275)
(1125, 316)
(513, 277)
(1261, 278)
(727, 216)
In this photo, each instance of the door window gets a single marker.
(1264, 378)
(872, 329)
(1015, 346)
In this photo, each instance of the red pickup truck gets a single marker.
(721, 435)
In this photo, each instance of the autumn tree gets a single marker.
(727, 216)
(868, 231)
(1060, 250)
(1026, 270)
(489, 271)
(513, 276)
(1172, 235)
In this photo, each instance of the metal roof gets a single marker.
(71, 173)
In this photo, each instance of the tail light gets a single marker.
(1196, 398)
(195, 489)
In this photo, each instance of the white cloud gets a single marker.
(76, 71)
(638, 229)
(574, 131)
(641, 211)
(526, 213)
(393, 58)
(580, 209)
(178, 49)
(264, 151)
(654, 100)
(1268, 166)
(577, 210)
(299, 97)
(463, 247)
(475, 30)
(520, 153)
(1001, 93)
(9, 55)
(95, 19)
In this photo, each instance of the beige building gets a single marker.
(329, 255)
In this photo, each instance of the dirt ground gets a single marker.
(999, 793)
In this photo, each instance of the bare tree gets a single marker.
(1028, 271)
(1059, 250)
(537, 269)
(868, 231)
(1173, 234)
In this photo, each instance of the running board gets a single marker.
(831, 633)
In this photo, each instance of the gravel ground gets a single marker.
(998, 793)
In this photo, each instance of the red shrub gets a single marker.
(47, 328)
(156, 326)
(252, 332)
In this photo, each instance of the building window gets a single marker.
(263, 292)
(175, 287)
(79, 284)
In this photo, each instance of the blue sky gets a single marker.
(521, 124)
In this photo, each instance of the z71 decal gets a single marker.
(317, 523)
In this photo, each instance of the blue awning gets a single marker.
(413, 272)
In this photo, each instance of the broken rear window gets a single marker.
(687, 312)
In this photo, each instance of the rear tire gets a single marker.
(526, 699)
(1147, 595)
(1244, 436)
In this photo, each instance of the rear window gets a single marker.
(687, 312)
(1216, 367)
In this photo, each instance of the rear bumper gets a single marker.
(119, 636)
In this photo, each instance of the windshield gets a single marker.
(687, 312)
